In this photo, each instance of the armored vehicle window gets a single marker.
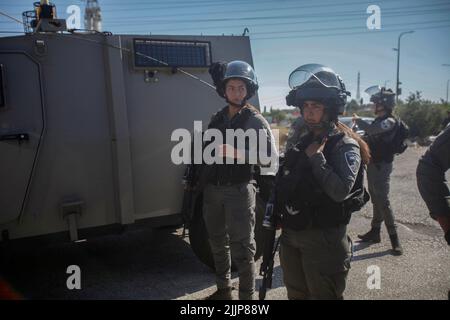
(188, 54)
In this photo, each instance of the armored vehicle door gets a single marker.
(21, 130)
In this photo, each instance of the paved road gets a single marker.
(159, 264)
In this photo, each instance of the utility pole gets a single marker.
(358, 92)
(448, 82)
(398, 90)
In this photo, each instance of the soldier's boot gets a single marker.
(221, 294)
(372, 236)
(397, 249)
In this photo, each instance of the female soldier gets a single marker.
(229, 197)
(318, 186)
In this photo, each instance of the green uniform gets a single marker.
(315, 250)
(229, 206)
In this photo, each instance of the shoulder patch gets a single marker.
(353, 160)
(387, 124)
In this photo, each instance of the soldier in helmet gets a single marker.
(229, 194)
(317, 186)
(380, 135)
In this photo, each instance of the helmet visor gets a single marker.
(316, 73)
(373, 90)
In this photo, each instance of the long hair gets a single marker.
(251, 107)
(363, 146)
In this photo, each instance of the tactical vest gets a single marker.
(380, 150)
(298, 189)
(229, 174)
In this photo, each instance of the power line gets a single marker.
(348, 33)
(224, 2)
(254, 10)
(170, 5)
(321, 19)
(129, 51)
(12, 18)
(308, 30)
(321, 14)
(337, 34)
(346, 28)
(14, 32)
(210, 4)
(421, 13)
(325, 19)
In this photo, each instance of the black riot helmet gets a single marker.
(317, 82)
(221, 72)
(382, 96)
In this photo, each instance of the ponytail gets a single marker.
(364, 148)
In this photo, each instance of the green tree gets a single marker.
(278, 115)
(352, 107)
(423, 117)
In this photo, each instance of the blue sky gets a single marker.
(286, 33)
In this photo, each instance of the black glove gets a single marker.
(447, 237)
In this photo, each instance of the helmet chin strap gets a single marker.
(319, 125)
(243, 103)
(325, 123)
(327, 126)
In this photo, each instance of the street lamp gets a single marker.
(398, 63)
